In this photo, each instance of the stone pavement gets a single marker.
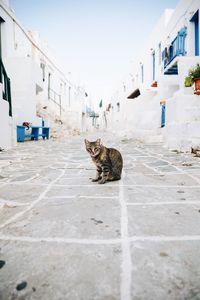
(64, 237)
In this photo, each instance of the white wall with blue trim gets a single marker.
(170, 52)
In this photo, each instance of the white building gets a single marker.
(39, 89)
(159, 74)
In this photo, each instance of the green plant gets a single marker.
(195, 72)
(188, 81)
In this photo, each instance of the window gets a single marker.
(49, 85)
(159, 54)
(1, 21)
(142, 73)
(42, 66)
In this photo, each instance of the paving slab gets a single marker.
(161, 179)
(168, 270)
(8, 210)
(173, 220)
(65, 237)
(161, 195)
(84, 190)
(21, 192)
(67, 218)
(60, 271)
(135, 168)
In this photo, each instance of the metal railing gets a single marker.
(5, 80)
(177, 48)
(56, 98)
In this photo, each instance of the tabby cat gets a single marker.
(108, 161)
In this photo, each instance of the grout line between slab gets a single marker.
(162, 238)
(42, 195)
(152, 154)
(152, 169)
(107, 185)
(162, 203)
(126, 267)
(61, 240)
(180, 170)
(130, 240)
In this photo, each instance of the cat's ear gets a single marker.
(86, 142)
(98, 142)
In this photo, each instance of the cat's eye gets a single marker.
(96, 149)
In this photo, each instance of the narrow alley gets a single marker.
(65, 237)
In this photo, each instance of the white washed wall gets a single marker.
(22, 54)
(142, 115)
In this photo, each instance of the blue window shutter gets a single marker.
(181, 41)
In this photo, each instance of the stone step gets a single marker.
(182, 136)
(195, 142)
(154, 139)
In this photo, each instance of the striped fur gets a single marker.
(108, 161)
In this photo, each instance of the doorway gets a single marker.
(195, 21)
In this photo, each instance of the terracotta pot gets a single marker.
(154, 84)
(197, 86)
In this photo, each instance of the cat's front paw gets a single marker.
(94, 180)
(102, 181)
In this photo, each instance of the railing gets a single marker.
(177, 48)
(5, 80)
(56, 98)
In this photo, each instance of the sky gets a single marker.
(94, 41)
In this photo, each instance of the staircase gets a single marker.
(173, 70)
(182, 131)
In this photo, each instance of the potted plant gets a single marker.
(188, 84)
(194, 76)
(188, 81)
(154, 84)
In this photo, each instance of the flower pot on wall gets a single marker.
(197, 86)
(154, 84)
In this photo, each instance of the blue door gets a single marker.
(163, 116)
(154, 65)
(195, 21)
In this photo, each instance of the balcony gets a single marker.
(177, 48)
